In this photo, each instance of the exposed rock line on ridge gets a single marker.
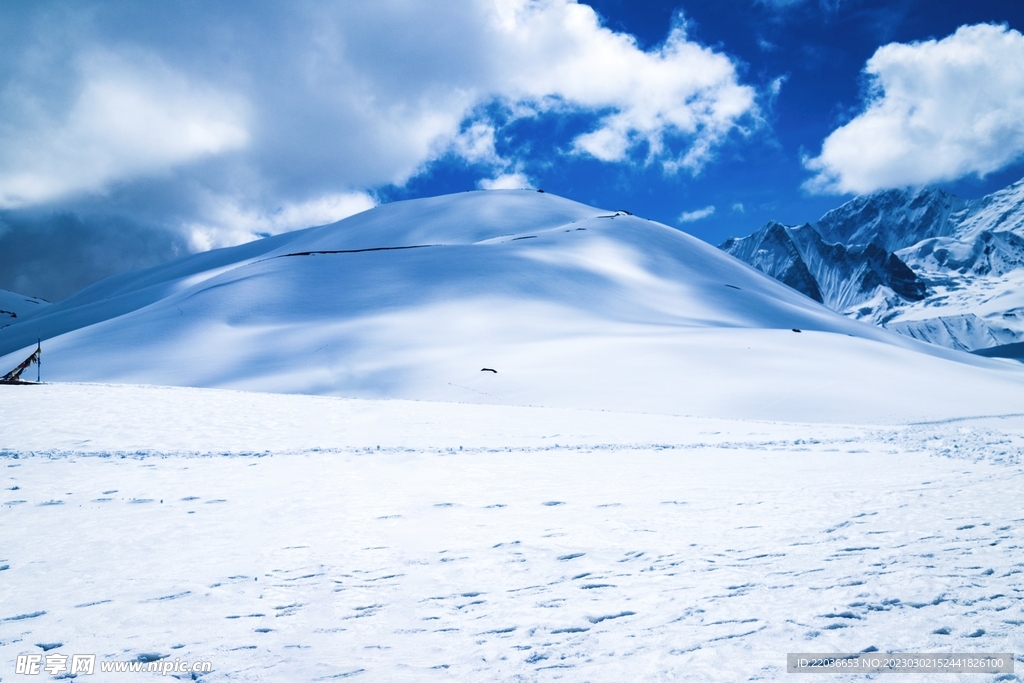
(15, 307)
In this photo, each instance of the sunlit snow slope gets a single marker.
(572, 306)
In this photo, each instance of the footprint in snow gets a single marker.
(150, 657)
(608, 617)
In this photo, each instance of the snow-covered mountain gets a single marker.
(563, 304)
(957, 265)
(841, 277)
(892, 219)
(14, 307)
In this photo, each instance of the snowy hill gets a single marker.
(569, 305)
(965, 261)
(14, 307)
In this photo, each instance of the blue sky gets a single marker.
(131, 133)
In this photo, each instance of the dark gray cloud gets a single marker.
(54, 255)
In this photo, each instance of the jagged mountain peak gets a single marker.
(774, 249)
(839, 276)
(1000, 211)
(772, 230)
(892, 219)
(951, 268)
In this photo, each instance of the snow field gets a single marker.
(707, 556)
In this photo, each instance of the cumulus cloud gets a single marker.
(476, 144)
(507, 181)
(226, 223)
(336, 96)
(277, 114)
(681, 90)
(699, 214)
(937, 110)
(132, 115)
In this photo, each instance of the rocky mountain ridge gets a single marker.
(924, 263)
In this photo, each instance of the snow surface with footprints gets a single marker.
(430, 541)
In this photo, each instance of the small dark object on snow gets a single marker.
(795, 330)
(489, 370)
(540, 190)
(733, 286)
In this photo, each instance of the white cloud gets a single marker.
(680, 91)
(131, 116)
(507, 181)
(279, 115)
(226, 223)
(699, 214)
(738, 207)
(334, 96)
(476, 144)
(938, 110)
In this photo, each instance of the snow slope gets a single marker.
(15, 307)
(573, 306)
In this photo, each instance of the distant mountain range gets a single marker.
(924, 263)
